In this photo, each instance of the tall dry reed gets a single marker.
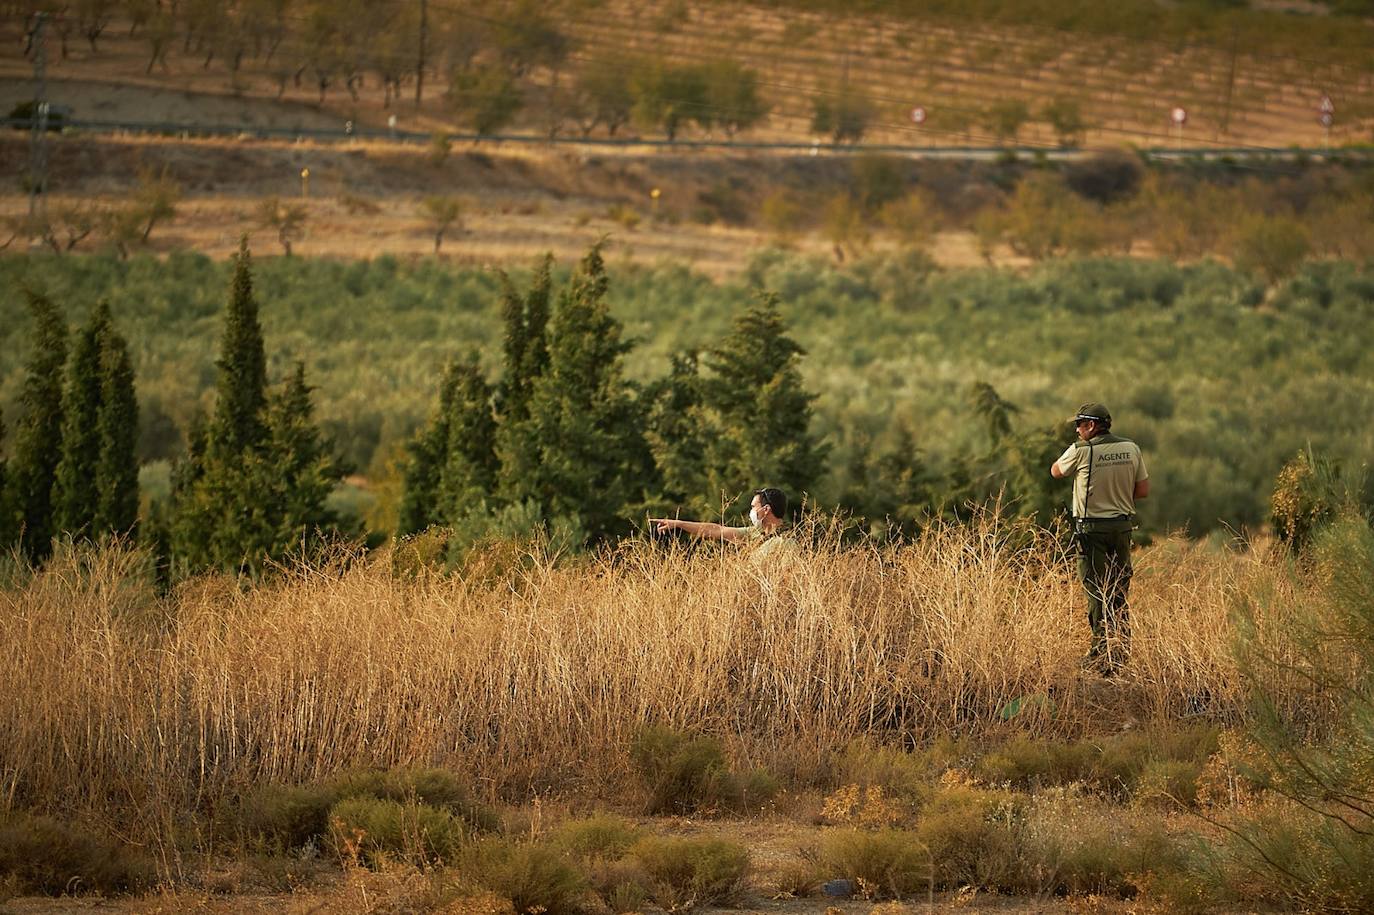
(528, 673)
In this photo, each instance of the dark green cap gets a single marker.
(1095, 411)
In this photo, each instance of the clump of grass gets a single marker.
(535, 877)
(604, 837)
(623, 885)
(684, 773)
(1024, 763)
(884, 863)
(39, 854)
(373, 831)
(689, 872)
(623, 213)
(284, 817)
(968, 833)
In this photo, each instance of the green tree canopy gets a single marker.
(38, 436)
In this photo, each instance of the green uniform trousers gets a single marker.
(1104, 565)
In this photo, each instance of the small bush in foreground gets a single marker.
(374, 830)
(43, 855)
(885, 863)
(968, 833)
(534, 877)
(685, 773)
(1289, 855)
(688, 872)
(605, 837)
(284, 817)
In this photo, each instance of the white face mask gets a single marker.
(754, 517)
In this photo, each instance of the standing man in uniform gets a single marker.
(1109, 477)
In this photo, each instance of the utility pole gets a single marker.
(420, 60)
(38, 121)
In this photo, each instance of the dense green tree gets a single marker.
(580, 456)
(256, 478)
(116, 470)
(732, 97)
(241, 387)
(763, 412)
(302, 471)
(187, 542)
(525, 344)
(892, 489)
(426, 458)
(38, 435)
(76, 491)
(467, 479)
(604, 94)
(484, 98)
(677, 430)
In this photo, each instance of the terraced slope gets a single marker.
(1125, 89)
(1242, 92)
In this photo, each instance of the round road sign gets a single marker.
(1326, 107)
(1179, 115)
(918, 115)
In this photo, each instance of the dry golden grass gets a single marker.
(530, 674)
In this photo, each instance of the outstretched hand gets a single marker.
(663, 525)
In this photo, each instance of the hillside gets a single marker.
(1255, 79)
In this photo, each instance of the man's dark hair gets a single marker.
(775, 499)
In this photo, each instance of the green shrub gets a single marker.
(605, 837)
(885, 863)
(1288, 855)
(39, 854)
(968, 834)
(1024, 762)
(624, 885)
(1169, 782)
(534, 877)
(688, 872)
(439, 788)
(373, 830)
(682, 773)
(750, 790)
(284, 817)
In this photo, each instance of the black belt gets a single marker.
(1113, 525)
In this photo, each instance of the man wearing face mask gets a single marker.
(766, 513)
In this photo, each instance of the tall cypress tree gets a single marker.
(116, 471)
(302, 472)
(76, 491)
(38, 437)
(525, 343)
(467, 478)
(239, 423)
(223, 516)
(426, 455)
(186, 523)
(763, 410)
(580, 454)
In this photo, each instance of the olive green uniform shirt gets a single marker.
(1105, 470)
(765, 546)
